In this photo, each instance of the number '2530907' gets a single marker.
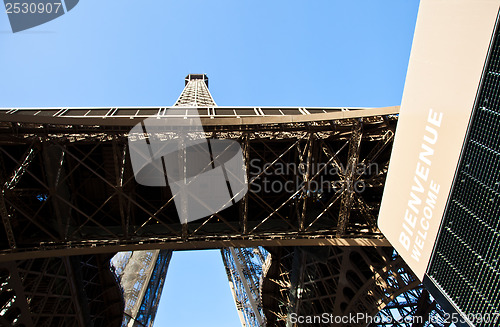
(30, 13)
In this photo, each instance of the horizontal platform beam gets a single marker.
(29, 115)
(189, 245)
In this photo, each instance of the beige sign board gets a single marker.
(448, 54)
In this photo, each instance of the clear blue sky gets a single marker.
(255, 52)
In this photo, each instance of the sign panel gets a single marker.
(448, 54)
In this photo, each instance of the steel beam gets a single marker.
(350, 176)
(239, 269)
(96, 247)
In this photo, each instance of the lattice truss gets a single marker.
(67, 291)
(70, 189)
(414, 308)
(195, 93)
(142, 277)
(345, 281)
(244, 268)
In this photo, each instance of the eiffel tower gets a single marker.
(69, 202)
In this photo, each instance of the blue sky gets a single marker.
(255, 52)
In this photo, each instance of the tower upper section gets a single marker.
(195, 93)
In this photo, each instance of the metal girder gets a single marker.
(237, 302)
(213, 116)
(387, 137)
(116, 189)
(11, 183)
(244, 200)
(413, 308)
(53, 161)
(306, 178)
(21, 168)
(59, 196)
(11, 284)
(338, 281)
(6, 218)
(244, 271)
(95, 247)
(81, 315)
(350, 176)
(59, 292)
(366, 211)
(141, 275)
(119, 164)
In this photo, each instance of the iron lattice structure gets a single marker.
(68, 189)
(338, 281)
(414, 308)
(195, 93)
(142, 276)
(60, 291)
(70, 185)
(244, 267)
(344, 282)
